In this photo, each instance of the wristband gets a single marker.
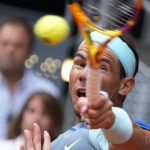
(122, 129)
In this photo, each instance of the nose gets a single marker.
(83, 74)
(10, 49)
(37, 117)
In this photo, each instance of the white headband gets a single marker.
(120, 49)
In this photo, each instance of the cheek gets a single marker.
(22, 54)
(27, 122)
(74, 75)
(72, 86)
(110, 84)
(72, 81)
(21, 58)
(71, 77)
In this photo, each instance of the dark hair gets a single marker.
(51, 106)
(130, 42)
(16, 20)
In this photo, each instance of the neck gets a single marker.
(77, 120)
(13, 79)
(118, 102)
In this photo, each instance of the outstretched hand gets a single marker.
(33, 142)
(97, 113)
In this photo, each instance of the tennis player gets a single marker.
(102, 124)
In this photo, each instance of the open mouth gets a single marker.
(81, 93)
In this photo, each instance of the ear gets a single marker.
(127, 85)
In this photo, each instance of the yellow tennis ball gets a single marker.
(52, 29)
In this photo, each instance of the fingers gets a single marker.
(34, 143)
(82, 105)
(98, 113)
(104, 121)
(28, 140)
(105, 94)
(37, 136)
(103, 118)
(47, 141)
(99, 103)
(94, 113)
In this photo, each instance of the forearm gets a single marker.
(140, 140)
(125, 134)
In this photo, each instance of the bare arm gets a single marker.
(140, 140)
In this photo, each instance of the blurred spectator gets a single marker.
(40, 108)
(16, 82)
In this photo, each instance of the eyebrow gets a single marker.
(80, 55)
(101, 60)
(106, 60)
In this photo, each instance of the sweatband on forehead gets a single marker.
(120, 49)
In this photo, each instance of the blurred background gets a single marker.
(137, 103)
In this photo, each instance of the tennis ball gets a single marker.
(51, 29)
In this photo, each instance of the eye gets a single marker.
(30, 110)
(103, 68)
(79, 64)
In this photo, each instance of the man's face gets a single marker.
(14, 48)
(109, 71)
